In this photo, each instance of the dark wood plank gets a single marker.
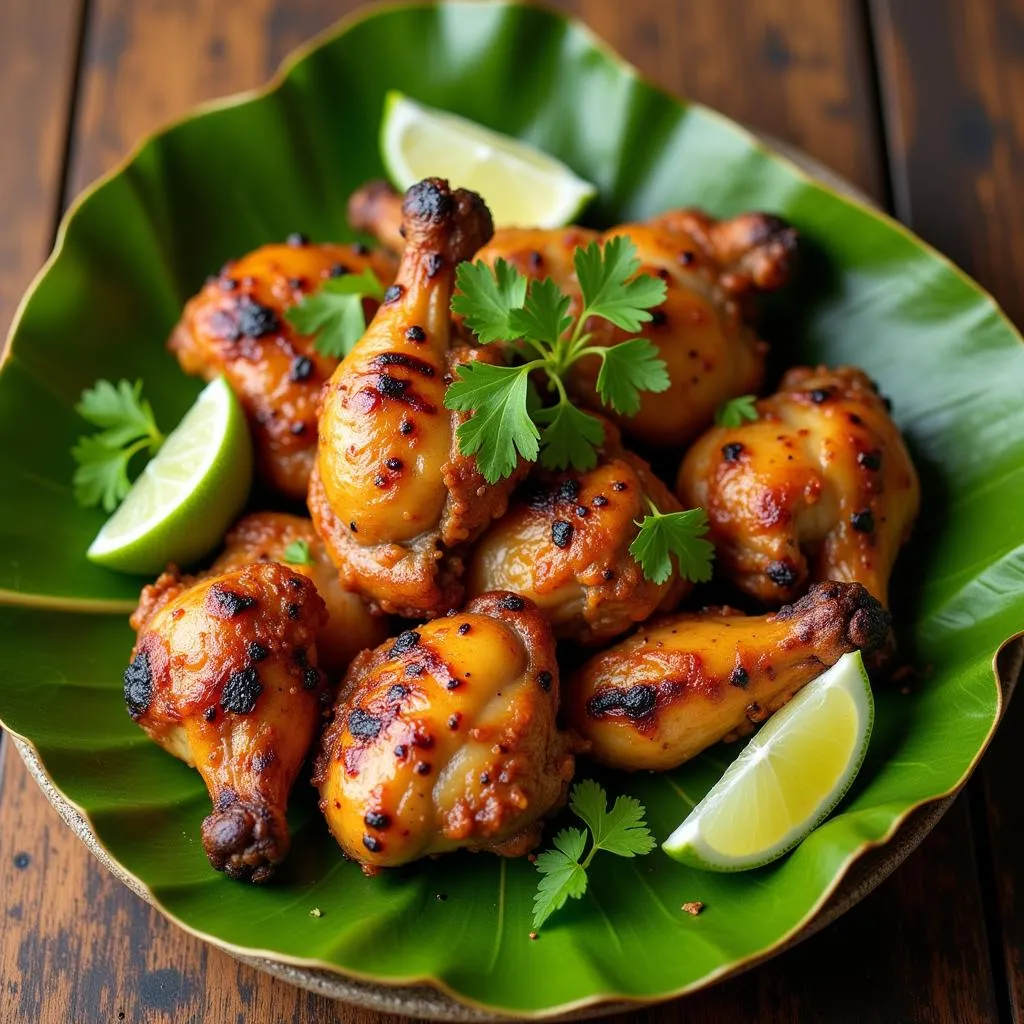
(798, 70)
(38, 44)
(953, 76)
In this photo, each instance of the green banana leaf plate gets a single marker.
(252, 169)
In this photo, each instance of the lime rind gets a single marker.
(521, 184)
(188, 494)
(690, 844)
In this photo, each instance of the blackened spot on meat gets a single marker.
(293, 611)
(569, 489)
(255, 319)
(512, 603)
(372, 843)
(863, 521)
(582, 511)
(619, 485)
(352, 526)
(300, 656)
(453, 683)
(401, 359)
(416, 333)
(544, 680)
(263, 760)
(405, 641)
(223, 325)
(463, 629)
(855, 419)
(393, 293)
(360, 248)
(731, 452)
(311, 678)
(609, 699)
(241, 691)
(380, 480)
(686, 257)
(393, 464)
(401, 750)
(298, 429)
(391, 387)
(820, 395)
(415, 668)
(658, 318)
(435, 261)
(301, 368)
(426, 201)
(740, 677)
(485, 778)
(256, 650)
(376, 819)
(228, 284)
(608, 574)
(599, 501)
(298, 283)
(396, 692)
(639, 700)
(406, 427)
(561, 533)
(782, 574)
(297, 239)
(210, 713)
(339, 270)
(138, 685)
(227, 604)
(870, 460)
(422, 768)
(363, 725)
(536, 260)
(453, 721)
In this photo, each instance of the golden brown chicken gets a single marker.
(274, 536)
(819, 487)
(391, 495)
(564, 544)
(711, 269)
(445, 737)
(224, 676)
(688, 681)
(236, 325)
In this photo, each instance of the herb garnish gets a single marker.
(127, 426)
(621, 830)
(681, 534)
(334, 312)
(297, 553)
(736, 410)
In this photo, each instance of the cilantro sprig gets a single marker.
(679, 535)
(736, 410)
(511, 420)
(621, 830)
(334, 312)
(127, 427)
(297, 553)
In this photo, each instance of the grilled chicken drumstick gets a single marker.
(224, 676)
(391, 495)
(445, 737)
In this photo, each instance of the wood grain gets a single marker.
(38, 44)
(954, 87)
(77, 946)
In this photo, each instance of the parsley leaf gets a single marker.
(627, 369)
(297, 553)
(500, 429)
(127, 427)
(334, 312)
(736, 410)
(486, 297)
(533, 320)
(621, 830)
(680, 535)
(603, 275)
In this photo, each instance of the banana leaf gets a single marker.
(252, 169)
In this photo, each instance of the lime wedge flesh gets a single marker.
(787, 780)
(184, 500)
(521, 185)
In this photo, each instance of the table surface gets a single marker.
(920, 103)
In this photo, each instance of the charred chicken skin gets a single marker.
(564, 544)
(819, 487)
(688, 681)
(236, 325)
(224, 676)
(391, 495)
(712, 270)
(266, 537)
(445, 737)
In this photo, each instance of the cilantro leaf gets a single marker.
(297, 553)
(621, 830)
(736, 410)
(627, 369)
(569, 437)
(545, 313)
(334, 312)
(500, 429)
(486, 298)
(679, 535)
(604, 274)
(127, 427)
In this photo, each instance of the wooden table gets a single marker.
(918, 102)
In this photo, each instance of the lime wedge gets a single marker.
(787, 780)
(521, 185)
(184, 500)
